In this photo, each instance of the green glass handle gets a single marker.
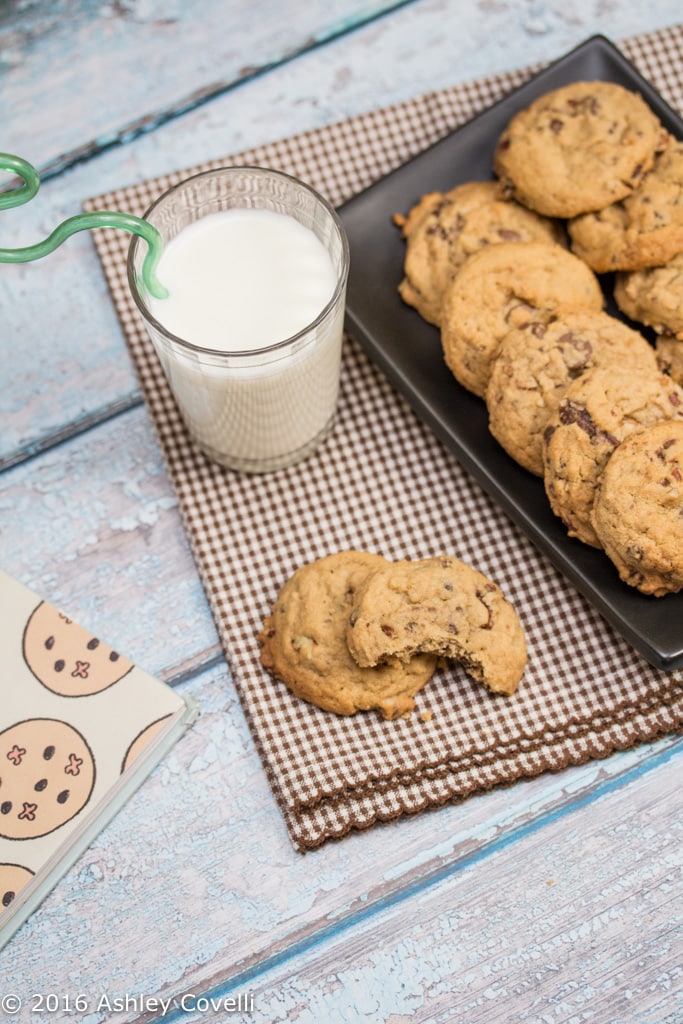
(80, 222)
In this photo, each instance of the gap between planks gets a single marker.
(151, 121)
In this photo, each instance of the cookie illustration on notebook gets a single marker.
(140, 742)
(74, 716)
(13, 877)
(47, 774)
(68, 659)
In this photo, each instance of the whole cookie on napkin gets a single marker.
(439, 605)
(537, 363)
(638, 510)
(303, 642)
(502, 287)
(443, 229)
(578, 148)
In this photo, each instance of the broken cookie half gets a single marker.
(440, 606)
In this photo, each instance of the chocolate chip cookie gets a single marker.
(443, 229)
(643, 230)
(670, 356)
(597, 413)
(578, 148)
(443, 606)
(638, 510)
(537, 363)
(503, 287)
(654, 296)
(303, 642)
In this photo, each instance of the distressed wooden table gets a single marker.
(558, 899)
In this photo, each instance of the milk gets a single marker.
(243, 279)
(249, 337)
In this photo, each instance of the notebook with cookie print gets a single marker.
(80, 728)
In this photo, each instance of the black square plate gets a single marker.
(408, 350)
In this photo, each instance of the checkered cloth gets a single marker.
(383, 483)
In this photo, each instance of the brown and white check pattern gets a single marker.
(383, 483)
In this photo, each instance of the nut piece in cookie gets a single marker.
(643, 230)
(537, 363)
(443, 229)
(597, 413)
(303, 642)
(503, 287)
(638, 511)
(578, 148)
(443, 606)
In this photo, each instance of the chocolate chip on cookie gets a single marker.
(670, 356)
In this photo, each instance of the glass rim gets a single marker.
(230, 171)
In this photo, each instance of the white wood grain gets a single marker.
(93, 527)
(551, 928)
(81, 72)
(94, 73)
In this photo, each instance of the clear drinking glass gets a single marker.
(265, 409)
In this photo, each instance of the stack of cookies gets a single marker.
(588, 182)
(353, 631)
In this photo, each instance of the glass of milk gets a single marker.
(250, 335)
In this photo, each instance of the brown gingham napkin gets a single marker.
(383, 483)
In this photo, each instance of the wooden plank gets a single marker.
(579, 920)
(64, 362)
(93, 527)
(122, 69)
(200, 860)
